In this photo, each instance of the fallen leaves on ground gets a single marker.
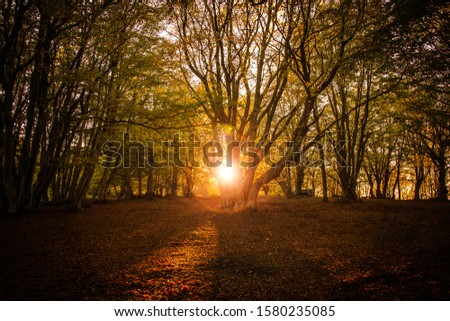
(188, 249)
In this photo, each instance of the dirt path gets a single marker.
(186, 249)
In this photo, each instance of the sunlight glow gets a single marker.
(226, 174)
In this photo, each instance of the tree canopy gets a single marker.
(122, 99)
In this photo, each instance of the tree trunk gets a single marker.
(387, 175)
(189, 181)
(9, 177)
(78, 195)
(399, 190)
(37, 101)
(149, 192)
(139, 177)
(174, 182)
(378, 194)
(247, 184)
(420, 176)
(442, 185)
(299, 133)
(104, 184)
(253, 196)
(288, 182)
(323, 172)
(300, 177)
(371, 184)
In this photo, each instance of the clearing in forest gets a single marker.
(187, 249)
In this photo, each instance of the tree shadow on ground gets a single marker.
(290, 252)
(256, 263)
(188, 249)
(61, 256)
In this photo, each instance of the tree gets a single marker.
(234, 57)
(60, 92)
(325, 37)
(420, 41)
(355, 95)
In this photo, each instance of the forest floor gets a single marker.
(188, 249)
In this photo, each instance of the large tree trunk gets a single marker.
(346, 193)
(288, 182)
(300, 177)
(249, 177)
(299, 133)
(348, 184)
(378, 194)
(233, 186)
(189, 181)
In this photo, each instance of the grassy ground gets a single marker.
(187, 249)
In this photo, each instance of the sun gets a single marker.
(226, 174)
